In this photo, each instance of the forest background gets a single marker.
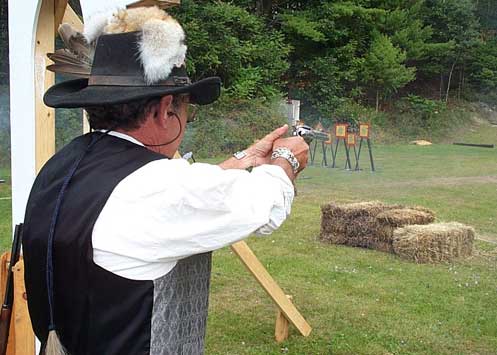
(410, 67)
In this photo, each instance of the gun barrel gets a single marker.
(310, 134)
(320, 136)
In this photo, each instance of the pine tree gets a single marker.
(384, 68)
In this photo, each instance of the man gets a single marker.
(118, 238)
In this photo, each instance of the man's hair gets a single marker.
(127, 116)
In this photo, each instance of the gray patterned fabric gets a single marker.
(179, 314)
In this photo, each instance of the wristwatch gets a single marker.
(240, 155)
(248, 163)
(286, 153)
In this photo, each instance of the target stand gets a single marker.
(364, 135)
(351, 144)
(323, 139)
(340, 136)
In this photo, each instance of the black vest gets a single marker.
(96, 311)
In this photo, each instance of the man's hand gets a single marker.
(300, 150)
(258, 153)
(263, 148)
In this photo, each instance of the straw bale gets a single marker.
(384, 233)
(437, 242)
(368, 224)
(400, 217)
(354, 224)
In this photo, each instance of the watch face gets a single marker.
(240, 155)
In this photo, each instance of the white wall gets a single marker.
(22, 26)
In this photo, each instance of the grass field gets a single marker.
(361, 301)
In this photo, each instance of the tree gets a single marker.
(483, 66)
(226, 40)
(384, 68)
(455, 33)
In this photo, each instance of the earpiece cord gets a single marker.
(172, 140)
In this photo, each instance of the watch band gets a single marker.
(287, 154)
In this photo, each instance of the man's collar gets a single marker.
(122, 136)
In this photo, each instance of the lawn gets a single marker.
(362, 301)
(5, 210)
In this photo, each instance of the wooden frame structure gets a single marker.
(33, 143)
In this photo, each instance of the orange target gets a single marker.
(364, 130)
(341, 130)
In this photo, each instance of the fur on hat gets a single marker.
(162, 45)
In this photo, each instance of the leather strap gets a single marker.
(104, 80)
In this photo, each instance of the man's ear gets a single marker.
(165, 106)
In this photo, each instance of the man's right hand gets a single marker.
(300, 150)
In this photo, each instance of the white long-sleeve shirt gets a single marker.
(170, 209)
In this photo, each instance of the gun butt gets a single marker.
(5, 316)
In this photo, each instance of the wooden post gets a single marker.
(281, 327)
(71, 18)
(25, 339)
(260, 273)
(4, 268)
(59, 11)
(44, 116)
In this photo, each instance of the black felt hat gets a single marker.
(116, 75)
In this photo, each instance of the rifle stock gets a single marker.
(6, 312)
(5, 316)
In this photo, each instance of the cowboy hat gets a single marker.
(138, 53)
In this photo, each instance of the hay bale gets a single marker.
(391, 219)
(368, 224)
(400, 217)
(353, 224)
(437, 242)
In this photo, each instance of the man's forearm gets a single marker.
(233, 163)
(251, 161)
(285, 165)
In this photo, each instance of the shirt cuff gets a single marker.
(281, 210)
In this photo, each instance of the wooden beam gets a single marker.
(60, 10)
(4, 271)
(44, 116)
(25, 339)
(73, 19)
(281, 326)
(260, 273)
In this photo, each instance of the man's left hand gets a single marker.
(263, 148)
